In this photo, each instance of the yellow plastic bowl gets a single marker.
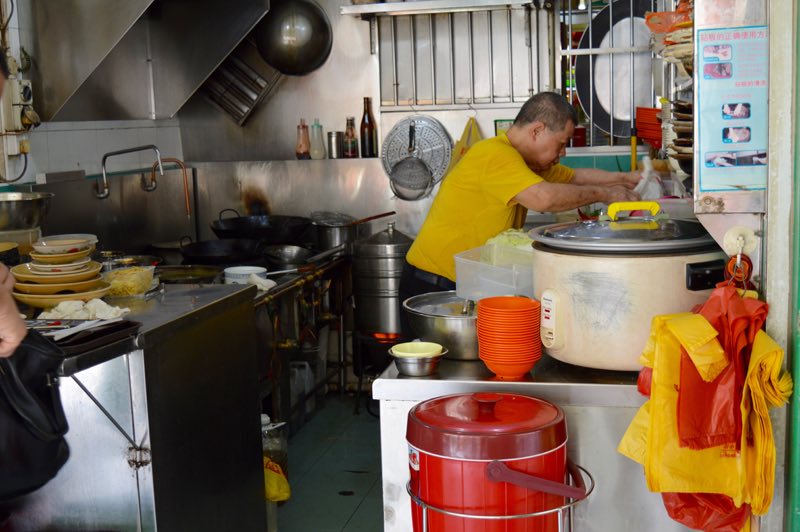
(417, 350)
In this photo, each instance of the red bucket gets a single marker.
(476, 457)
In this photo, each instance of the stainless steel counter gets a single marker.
(164, 428)
(161, 316)
(599, 406)
(550, 379)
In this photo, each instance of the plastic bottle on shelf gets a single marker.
(317, 141)
(302, 149)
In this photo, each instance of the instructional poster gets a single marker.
(732, 104)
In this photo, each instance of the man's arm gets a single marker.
(558, 197)
(593, 176)
(12, 328)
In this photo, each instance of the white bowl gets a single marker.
(61, 246)
(72, 236)
(241, 274)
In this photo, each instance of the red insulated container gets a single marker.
(487, 454)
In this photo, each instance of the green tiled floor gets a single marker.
(335, 473)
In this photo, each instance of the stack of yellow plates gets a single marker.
(45, 289)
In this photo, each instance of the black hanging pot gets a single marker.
(294, 37)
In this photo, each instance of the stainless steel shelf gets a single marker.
(428, 7)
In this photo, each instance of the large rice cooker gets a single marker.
(485, 462)
(601, 283)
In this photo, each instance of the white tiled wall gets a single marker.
(64, 146)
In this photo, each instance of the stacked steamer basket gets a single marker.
(61, 270)
(508, 335)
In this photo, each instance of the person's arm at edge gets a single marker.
(12, 328)
(558, 197)
(594, 176)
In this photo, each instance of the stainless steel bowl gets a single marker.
(286, 257)
(417, 366)
(23, 210)
(436, 317)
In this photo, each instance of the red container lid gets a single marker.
(486, 426)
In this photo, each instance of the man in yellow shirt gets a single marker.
(495, 183)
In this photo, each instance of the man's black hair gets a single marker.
(550, 108)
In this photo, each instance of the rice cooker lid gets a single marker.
(630, 235)
(486, 426)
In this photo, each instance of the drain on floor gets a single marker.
(347, 493)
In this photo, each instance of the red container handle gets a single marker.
(499, 472)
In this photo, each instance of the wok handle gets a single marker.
(497, 471)
(412, 137)
(234, 211)
(374, 217)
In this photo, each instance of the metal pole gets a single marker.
(491, 56)
(413, 61)
(530, 34)
(570, 71)
(611, 71)
(342, 356)
(450, 31)
(433, 59)
(633, 88)
(471, 59)
(510, 59)
(590, 134)
(393, 25)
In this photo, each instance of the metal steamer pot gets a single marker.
(334, 229)
(601, 282)
(377, 268)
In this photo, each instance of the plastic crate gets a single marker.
(494, 270)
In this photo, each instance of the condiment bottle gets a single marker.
(350, 139)
(302, 149)
(369, 133)
(317, 141)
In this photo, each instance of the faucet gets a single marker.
(153, 184)
(101, 188)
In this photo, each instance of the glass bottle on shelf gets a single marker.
(369, 133)
(317, 141)
(302, 149)
(350, 139)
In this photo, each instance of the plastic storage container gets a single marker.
(494, 270)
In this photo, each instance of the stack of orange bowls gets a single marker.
(508, 335)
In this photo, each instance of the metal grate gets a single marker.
(485, 58)
(620, 72)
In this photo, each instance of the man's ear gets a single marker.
(537, 129)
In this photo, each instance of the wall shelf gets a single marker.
(429, 7)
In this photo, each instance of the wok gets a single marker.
(223, 251)
(282, 257)
(294, 37)
(188, 274)
(268, 229)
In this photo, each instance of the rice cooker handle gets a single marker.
(497, 471)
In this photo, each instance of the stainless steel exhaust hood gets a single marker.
(130, 59)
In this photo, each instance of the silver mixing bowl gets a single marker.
(417, 366)
(436, 317)
(23, 210)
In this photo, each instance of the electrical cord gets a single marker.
(24, 169)
(10, 14)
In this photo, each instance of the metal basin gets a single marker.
(23, 210)
(436, 317)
